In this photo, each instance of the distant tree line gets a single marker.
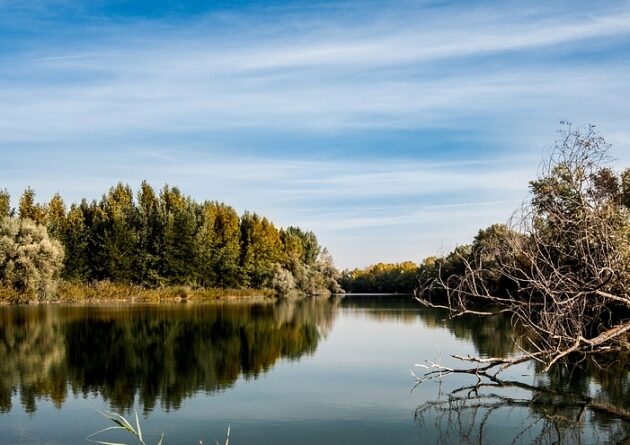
(163, 237)
(406, 276)
(381, 278)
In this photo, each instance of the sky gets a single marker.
(394, 130)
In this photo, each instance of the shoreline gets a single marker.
(108, 292)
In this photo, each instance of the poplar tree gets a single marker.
(180, 226)
(261, 249)
(226, 246)
(205, 246)
(75, 240)
(150, 236)
(119, 236)
(168, 238)
(56, 216)
(5, 204)
(218, 246)
(29, 209)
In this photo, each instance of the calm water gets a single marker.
(307, 372)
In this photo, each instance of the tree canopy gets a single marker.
(382, 278)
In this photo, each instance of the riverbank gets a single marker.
(106, 291)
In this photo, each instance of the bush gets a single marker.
(282, 282)
(30, 261)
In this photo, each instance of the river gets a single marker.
(333, 371)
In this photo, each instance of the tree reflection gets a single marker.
(33, 353)
(587, 402)
(491, 336)
(541, 413)
(157, 354)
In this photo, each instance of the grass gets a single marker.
(123, 424)
(107, 291)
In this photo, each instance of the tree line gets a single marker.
(158, 238)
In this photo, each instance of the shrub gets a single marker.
(30, 261)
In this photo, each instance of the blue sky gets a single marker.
(394, 130)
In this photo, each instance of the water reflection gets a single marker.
(589, 403)
(549, 412)
(155, 353)
(158, 356)
(492, 337)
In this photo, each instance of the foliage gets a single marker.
(282, 282)
(327, 271)
(165, 238)
(29, 209)
(30, 260)
(261, 249)
(5, 204)
(381, 277)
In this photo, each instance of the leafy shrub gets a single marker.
(30, 261)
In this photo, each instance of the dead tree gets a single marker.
(564, 263)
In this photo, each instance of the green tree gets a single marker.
(308, 246)
(150, 237)
(75, 238)
(168, 238)
(95, 224)
(119, 241)
(180, 227)
(382, 277)
(218, 246)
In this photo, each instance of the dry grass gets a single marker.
(107, 291)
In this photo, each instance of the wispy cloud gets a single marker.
(321, 78)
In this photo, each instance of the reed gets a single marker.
(136, 432)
